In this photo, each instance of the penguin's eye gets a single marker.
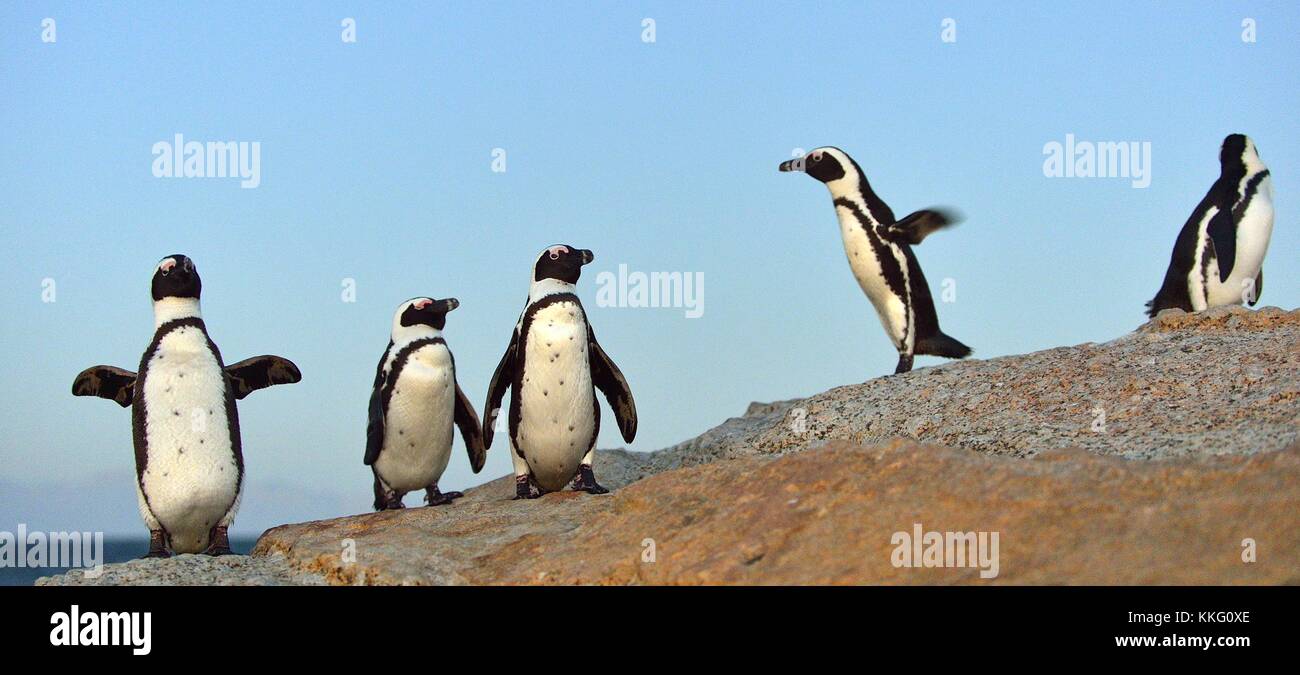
(555, 255)
(817, 156)
(189, 265)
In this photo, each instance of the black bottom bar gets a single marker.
(240, 623)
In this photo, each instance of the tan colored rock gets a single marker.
(787, 493)
(1229, 317)
(826, 516)
(1144, 460)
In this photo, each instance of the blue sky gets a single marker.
(376, 166)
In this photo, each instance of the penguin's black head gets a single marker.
(426, 312)
(825, 164)
(176, 277)
(1233, 147)
(561, 262)
(1238, 156)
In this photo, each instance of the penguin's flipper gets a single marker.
(470, 430)
(375, 427)
(610, 381)
(501, 380)
(1258, 289)
(261, 372)
(1223, 235)
(915, 227)
(108, 382)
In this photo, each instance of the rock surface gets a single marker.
(1224, 381)
(1039, 448)
(828, 516)
(193, 570)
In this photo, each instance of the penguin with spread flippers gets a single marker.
(188, 455)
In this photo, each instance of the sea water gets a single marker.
(116, 550)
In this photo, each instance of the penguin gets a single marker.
(553, 366)
(189, 460)
(413, 405)
(1218, 258)
(879, 250)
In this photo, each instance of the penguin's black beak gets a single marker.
(791, 165)
(450, 304)
(587, 256)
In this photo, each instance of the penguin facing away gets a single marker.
(879, 251)
(413, 406)
(188, 455)
(1218, 258)
(553, 365)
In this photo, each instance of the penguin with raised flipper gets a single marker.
(553, 366)
(188, 456)
(879, 250)
(414, 406)
(1218, 258)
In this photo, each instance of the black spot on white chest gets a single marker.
(184, 389)
(555, 388)
(424, 381)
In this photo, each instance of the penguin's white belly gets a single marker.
(191, 479)
(557, 403)
(891, 309)
(420, 421)
(1253, 233)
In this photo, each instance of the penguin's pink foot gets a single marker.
(435, 497)
(585, 481)
(218, 542)
(157, 545)
(524, 488)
